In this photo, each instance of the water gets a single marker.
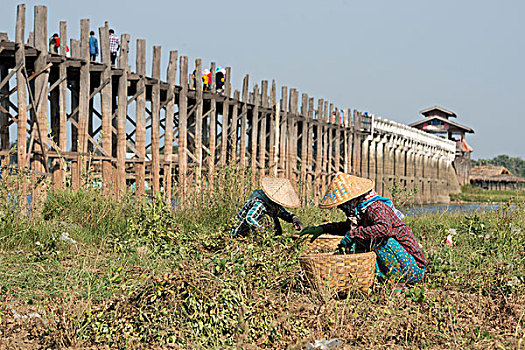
(450, 208)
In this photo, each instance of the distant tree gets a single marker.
(515, 165)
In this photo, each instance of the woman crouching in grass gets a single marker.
(380, 228)
(268, 202)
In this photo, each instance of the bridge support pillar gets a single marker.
(372, 161)
(380, 166)
(364, 157)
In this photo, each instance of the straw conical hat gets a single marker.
(280, 191)
(343, 188)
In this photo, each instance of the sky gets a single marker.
(390, 58)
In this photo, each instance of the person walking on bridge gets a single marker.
(206, 79)
(93, 46)
(114, 46)
(220, 75)
(54, 43)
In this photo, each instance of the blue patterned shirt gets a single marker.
(254, 209)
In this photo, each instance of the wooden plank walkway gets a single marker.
(131, 130)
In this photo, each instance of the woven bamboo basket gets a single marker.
(323, 244)
(341, 272)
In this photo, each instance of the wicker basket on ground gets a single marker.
(341, 272)
(323, 244)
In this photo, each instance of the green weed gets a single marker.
(471, 193)
(146, 274)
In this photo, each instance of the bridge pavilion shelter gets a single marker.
(437, 121)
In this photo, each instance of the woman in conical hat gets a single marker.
(274, 195)
(379, 228)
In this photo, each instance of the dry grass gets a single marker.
(144, 276)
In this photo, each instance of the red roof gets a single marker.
(421, 123)
(465, 147)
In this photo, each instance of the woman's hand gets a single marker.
(297, 223)
(347, 244)
(315, 231)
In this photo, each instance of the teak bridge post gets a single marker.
(88, 123)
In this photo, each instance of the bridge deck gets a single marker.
(70, 116)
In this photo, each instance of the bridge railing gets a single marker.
(70, 116)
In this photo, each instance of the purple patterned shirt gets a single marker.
(379, 222)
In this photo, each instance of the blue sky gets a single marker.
(391, 58)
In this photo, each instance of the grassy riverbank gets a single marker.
(144, 276)
(474, 194)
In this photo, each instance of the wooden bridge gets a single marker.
(74, 119)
